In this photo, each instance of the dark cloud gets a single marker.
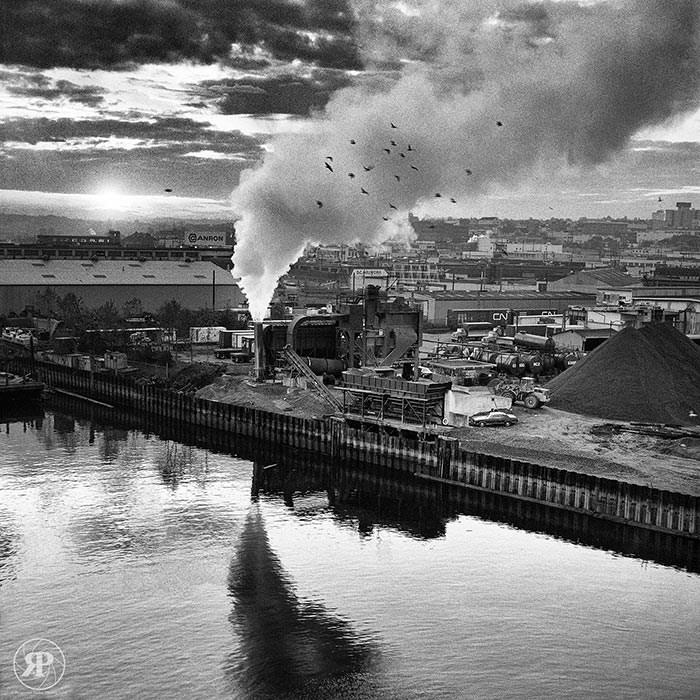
(168, 130)
(643, 77)
(105, 33)
(288, 94)
(531, 20)
(91, 95)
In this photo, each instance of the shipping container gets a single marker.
(203, 335)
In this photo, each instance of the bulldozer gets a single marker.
(520, 390)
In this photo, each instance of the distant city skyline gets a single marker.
(99, 123)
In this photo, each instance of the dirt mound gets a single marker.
(268, 396)
(193, 376)
(645, 375)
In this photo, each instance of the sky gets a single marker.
(279, 113)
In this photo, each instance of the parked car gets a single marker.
(496, 416)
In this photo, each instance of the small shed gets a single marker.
(462, 402)
(582, 339)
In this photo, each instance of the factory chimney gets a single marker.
(259, 351)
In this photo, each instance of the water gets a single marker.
(161, 570)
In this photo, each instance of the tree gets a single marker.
(47, 302)
(170, 315)
(71, 311)
(132, 307)
(106, 316)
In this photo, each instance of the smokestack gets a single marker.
(500, 97)
(259, 352)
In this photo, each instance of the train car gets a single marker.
(458, 318)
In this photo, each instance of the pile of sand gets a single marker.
(646, 375)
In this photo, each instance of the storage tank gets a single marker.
(533, 363)
(548, 364)
(530, 340)
(510, 363)
(564, 360)
(492, 356)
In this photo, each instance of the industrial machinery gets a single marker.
(522, 390)
(371, 395)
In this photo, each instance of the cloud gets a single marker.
(67, 155)
(165, 129)
(282, 93)
(492, 99)
(107, 33)
(91, 95)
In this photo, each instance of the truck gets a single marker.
(522, 390)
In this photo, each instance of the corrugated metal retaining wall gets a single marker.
(434, 457)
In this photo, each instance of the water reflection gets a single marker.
(421, 509)
(289, 647)
(8, 552)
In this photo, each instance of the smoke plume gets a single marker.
(479, 98)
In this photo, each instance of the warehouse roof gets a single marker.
(110, 272)
(502, 296)
(601, 276)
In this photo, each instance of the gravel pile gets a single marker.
(644, 375)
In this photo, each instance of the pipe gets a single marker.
(259, 352)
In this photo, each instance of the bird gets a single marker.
(413, 167)
(393, 126)
(403, 155)
(453, 200)
(353, 142)
(328, 165)
(168, 189)
(398, 178)
(386, 218)
(363, 190)
(319, 203)
(409, 147)
(367, 168)
(330, 158)
(393, 143)
(469, 172)
(499, 123)
(387, 150)
(391, 206)
(661, 200)
(351, 175)
(437, 194)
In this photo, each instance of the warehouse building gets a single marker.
(194, 285)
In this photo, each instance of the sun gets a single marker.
(111, 198)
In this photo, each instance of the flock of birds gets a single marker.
(328, 163)
(405, 152)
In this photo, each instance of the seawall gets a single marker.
(408, 449)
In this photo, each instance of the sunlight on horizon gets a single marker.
(109, 201)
